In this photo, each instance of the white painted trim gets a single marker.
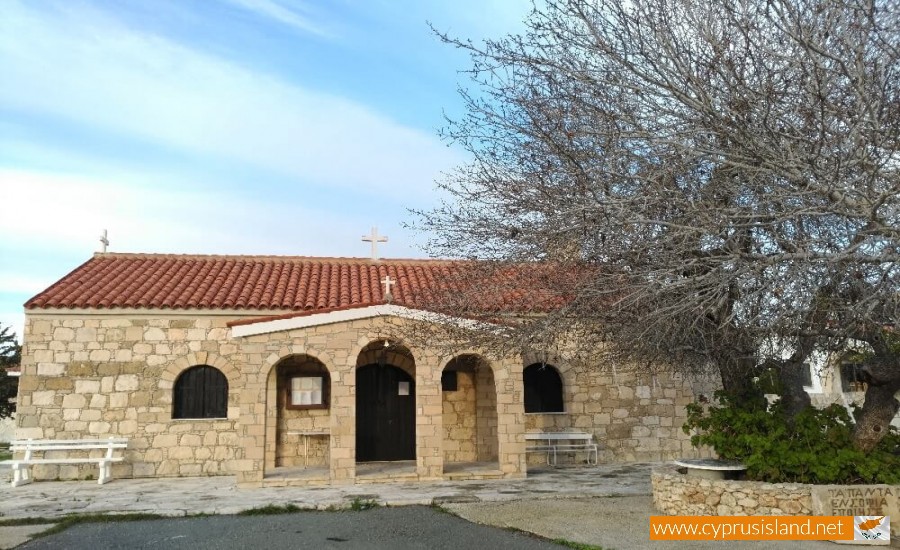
(344, 315)
(156, 313)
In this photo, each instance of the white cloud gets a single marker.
(481, 19)
(272, 9)
(94, 71)
(465, 19)
(56, 212)
(19, 283)
(55, 222)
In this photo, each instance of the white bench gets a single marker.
(553, 443)
(21, 467)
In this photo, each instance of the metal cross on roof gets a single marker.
(388, 283)
(374, 238)
(104, 240)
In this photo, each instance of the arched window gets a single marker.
(543, 389)
(200, 392)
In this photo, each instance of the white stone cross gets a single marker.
(104, 240)
(388, 283)
(374, 239)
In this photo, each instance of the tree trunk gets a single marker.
(793, 395)
(737, 381)
(880, 407)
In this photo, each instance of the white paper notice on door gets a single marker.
(403, 388)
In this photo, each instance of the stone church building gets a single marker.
(290, 370)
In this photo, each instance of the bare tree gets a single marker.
(724, 174)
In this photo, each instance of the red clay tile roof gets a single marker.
(276, 283)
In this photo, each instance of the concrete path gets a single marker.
(219, 495)
(10, 537)
(617, 523)
(608, 505)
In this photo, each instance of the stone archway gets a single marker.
(469, 402)
(298, 412)
(385, 403)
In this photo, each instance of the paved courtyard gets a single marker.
(607, 505)
(219, 494)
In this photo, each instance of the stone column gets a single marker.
(249, 466)
(271, 391)
(429, 417)
(342, 453)
(510, 416)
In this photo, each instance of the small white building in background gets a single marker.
(830, 381)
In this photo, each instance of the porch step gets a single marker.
(295, 481)
(382, 478)
(482, 474)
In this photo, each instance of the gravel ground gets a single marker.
(619, 523)
(614, 523)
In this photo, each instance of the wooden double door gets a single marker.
(385, 414)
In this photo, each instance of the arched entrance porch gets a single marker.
(298, 419)
(470, 427)
(385, 410)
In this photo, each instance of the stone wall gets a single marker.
(103, 377)
(634, 416)
(292, 448)
(459, 420)
(486, 425)
(677, 494)
(94, 375)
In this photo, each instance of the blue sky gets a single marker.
(222, 126)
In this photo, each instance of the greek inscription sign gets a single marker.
(848, 501)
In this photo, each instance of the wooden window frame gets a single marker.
(288, 392)
(307, 370)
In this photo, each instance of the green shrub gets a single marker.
(359, 504)
(271, 510)
(816, 447)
